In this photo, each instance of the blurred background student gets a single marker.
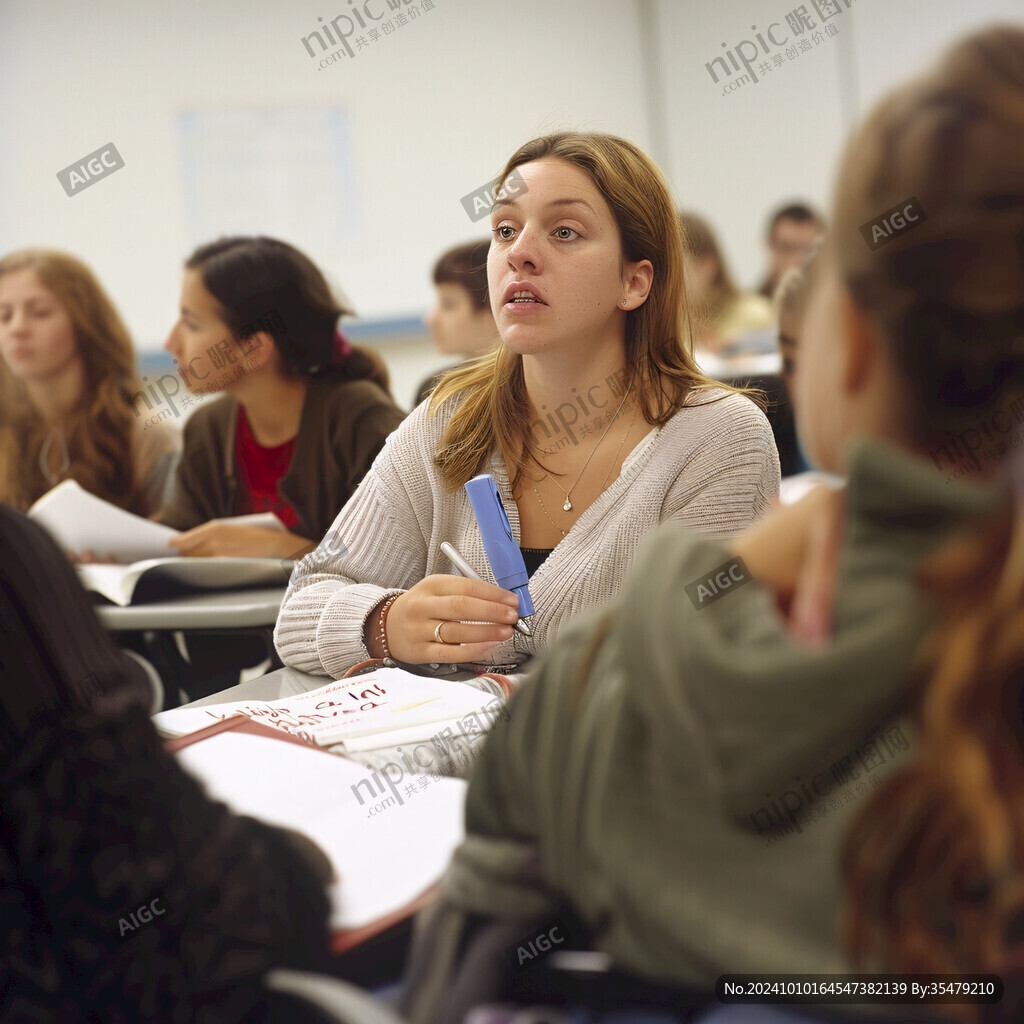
(724, 313)
(461, 321)
(303, 412)
(97, 820)
(791, 230)
(587, 284)
(790, 307)
(67, 381)
(733, 741)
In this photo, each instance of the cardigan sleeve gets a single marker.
(730, 481)
(376, 546)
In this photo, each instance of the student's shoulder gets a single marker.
(422, 430)
(708, 411)
(210, 419)
(352, 397)
(153, 440)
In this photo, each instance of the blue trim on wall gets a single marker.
(361, 331)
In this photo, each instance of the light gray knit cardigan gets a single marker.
(713, 467)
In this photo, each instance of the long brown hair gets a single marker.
(934, 864)
(494, 411)
(699, 240)
(101, 427)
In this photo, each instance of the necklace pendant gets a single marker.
(567, 507)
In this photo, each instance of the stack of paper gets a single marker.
(376, 709)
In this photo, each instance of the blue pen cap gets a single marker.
(503, 552)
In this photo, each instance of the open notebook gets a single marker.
(148, 568)
(374, 718)
(388, 842)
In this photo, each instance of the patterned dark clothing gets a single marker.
(126, 894)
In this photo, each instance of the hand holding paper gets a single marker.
(237, 538)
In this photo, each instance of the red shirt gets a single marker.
(259, 472)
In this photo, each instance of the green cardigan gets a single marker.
(342, 428)
(649, 806)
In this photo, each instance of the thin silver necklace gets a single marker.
(618, 452)
(545, 511)
(44, 457)
(567, 507)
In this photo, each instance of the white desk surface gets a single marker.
(233, 609)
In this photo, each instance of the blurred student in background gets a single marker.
(461, 322)
(126, 893)
(592, 417)
(303, 412)
(67, 381)
(791, 230)
(727, 730)
(724, 313)
(790, 308)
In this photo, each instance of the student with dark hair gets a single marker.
(67, 383)
(686, 771)
(98, 821)
(461, 322)
(586, 281)
(791, 231)
(303, 415)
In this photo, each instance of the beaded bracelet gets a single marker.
(382, 636)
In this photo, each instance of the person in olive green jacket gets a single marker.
(304, 413)
(695, 765)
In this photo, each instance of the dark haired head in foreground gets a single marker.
(98, 821)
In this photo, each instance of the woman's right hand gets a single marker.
(475, 618)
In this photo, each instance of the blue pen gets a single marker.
(503, 552)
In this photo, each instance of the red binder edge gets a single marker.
(344, 939)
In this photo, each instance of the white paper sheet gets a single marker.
(387, 844)
(79, 521)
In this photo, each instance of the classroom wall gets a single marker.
(433, 109)
(735, 153)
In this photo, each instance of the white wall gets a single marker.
(736, 156)
(435, 107)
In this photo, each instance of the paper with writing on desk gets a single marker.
(386, 846)
(387, 703)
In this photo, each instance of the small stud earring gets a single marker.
(623, 301)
